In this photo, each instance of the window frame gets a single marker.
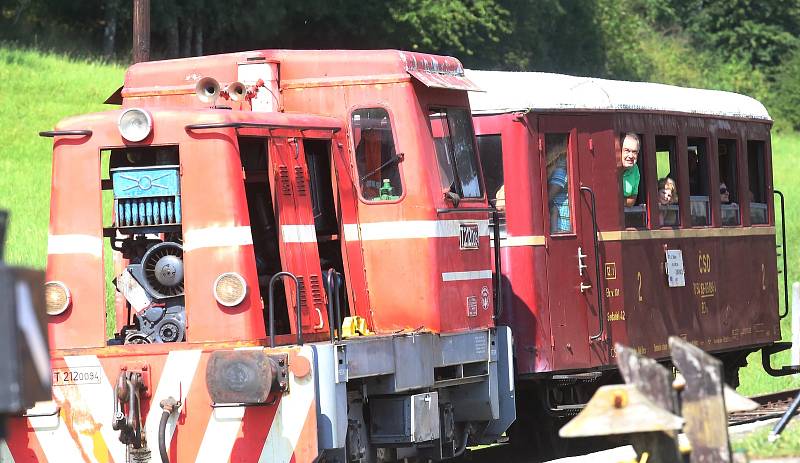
(731, 140)
(354, 158)
(766, 147)
(674, 161)
(476, 158)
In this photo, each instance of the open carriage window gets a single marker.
(557, 165)
(667, 171)
(634, 179)
(698, 182)
(756, 175)
(728, 174)
(376, 158)
(491, 153)
(455, 151)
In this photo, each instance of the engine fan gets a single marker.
(162, 266)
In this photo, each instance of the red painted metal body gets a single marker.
(403, 266)
(730, 300)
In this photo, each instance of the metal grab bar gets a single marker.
(600, 315)
(333, 285)
(299, 317)
(783, 254)
(498, 274)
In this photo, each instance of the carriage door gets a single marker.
(297, 235)
(566, 164)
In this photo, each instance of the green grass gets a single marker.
(36, 91)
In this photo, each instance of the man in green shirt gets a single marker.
(630, 173)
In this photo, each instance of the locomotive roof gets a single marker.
(521, 91)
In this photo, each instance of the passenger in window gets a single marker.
(630, 173)
(666, 191)
(724, 194)
(557, 182)
(667, 197)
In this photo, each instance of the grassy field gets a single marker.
(37, 90)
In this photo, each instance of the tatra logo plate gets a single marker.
(469, 236)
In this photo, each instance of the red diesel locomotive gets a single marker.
(583, 269)
(288, 280)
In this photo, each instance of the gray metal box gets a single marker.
(405, 419)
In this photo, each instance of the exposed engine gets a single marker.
(147, 206)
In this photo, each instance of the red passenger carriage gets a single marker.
(695, 267)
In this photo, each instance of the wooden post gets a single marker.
(141, 30)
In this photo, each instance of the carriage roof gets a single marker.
(522, 91)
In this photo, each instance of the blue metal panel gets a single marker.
(145, 182)
(147, 196)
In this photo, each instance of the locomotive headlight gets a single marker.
(135, 124)
(230, 289)
(57, 297)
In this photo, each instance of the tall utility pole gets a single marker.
(141, 30)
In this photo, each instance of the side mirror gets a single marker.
(452, 197)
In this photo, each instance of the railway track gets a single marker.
(770, 406)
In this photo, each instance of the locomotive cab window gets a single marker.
(491, 154)
(667, 171)
(633, 179)
(558, 182)
(699, 199)
(376, 158)
(455, 151)
(756, 175)
(728, 175)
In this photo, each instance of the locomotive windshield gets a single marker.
(455, 151)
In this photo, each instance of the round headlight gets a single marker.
(135, 124)
(57, 297)
(230, 289)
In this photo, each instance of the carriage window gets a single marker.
(490, 151)
(698, 182)
(377, 161)
(757, 178)
(728, 192)
(455, 151)
(636, 214)
(491, 154)
(557, 164)
(667, 169)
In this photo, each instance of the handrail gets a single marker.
(599, 288)
(65, 133)
(783, 254)
(256, 125)
(272, 307)
(333, 284)
(498, 275)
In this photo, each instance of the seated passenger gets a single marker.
(630, 173)
(666, 190)
(557, 182)
(667, 196)
(724, 194)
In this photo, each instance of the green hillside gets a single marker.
(36, 91)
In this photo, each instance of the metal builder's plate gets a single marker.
(703, 402)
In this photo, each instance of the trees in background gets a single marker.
(749, 46)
